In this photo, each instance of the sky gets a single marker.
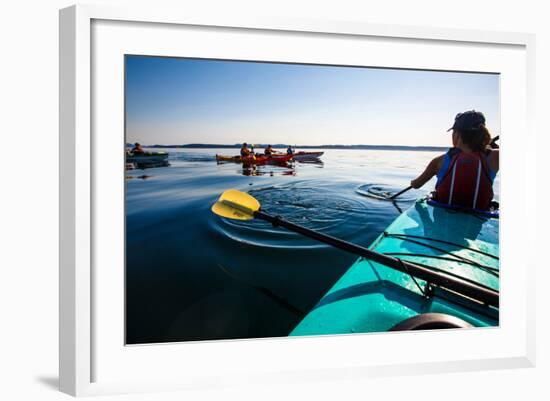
(180, 101)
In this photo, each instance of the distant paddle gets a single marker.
(493, 143)
(234, 204)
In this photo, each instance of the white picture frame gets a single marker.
(82, 344)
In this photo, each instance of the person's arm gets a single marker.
(431, 170)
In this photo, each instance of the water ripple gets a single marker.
(310, 204)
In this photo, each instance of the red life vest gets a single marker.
(466, 182)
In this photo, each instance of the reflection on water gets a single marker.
(441, 219)
(175, 287)
(317, 162)
(271, 170)
(141, 177)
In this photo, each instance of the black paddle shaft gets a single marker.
(477, 292)
(400, 192)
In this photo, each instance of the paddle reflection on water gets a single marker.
(271, 170)
(394, 203)
(316, 162)
(266, 291)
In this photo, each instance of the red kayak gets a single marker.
(260, 159)
(263, 159)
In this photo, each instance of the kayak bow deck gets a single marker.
(371, 297)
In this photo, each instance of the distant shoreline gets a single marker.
(341, 147)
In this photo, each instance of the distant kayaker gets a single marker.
(269, 150)
(465, 174)
(289, 150)
(245, 151)
(137, 149)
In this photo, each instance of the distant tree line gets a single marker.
(280, 145)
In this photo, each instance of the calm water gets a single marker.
(192, 275)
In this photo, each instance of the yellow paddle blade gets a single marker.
(236, 205)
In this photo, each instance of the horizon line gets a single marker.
(234, 145)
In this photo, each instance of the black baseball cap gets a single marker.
(468, 120)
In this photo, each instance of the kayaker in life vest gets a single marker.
(289, 150)
(465, 174)
(244, 150)
(137, 149)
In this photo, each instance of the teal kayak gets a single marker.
(371, 297)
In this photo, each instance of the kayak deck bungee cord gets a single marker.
(372, 297)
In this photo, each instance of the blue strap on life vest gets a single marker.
(447, 158)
